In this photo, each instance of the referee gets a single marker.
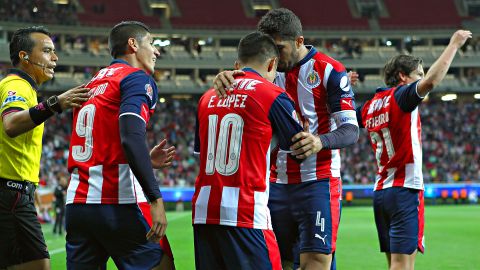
(32, 53)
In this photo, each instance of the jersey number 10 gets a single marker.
(229, 143)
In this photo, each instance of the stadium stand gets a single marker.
(328, 14)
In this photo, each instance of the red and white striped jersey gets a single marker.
(233, 139)
(100, 173)
(320, 87)
(395, 136)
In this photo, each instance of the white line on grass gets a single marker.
(177, 216)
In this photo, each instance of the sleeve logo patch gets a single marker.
(11, 99)
(313, 80)
(149, 91)
(344, 84)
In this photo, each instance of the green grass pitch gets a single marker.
(452, 240)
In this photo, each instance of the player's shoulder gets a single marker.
(323, 58)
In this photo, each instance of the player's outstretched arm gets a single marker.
(162, 157)
(437, 71)
(224, 80)
(19, 122)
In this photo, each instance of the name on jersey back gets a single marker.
(380, 119)
(234, 100)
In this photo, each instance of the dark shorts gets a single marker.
(399, 219)
(232, 248)
(307, 213)
(96, 232)
(21, 237)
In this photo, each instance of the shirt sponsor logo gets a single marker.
(313, 80)
(149, 91)
(11, 99)
(346, 104)
(15, 185)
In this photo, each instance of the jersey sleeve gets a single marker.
(359, 116)
(284, 120)
(15, 97)
(196, 146)
(138, 95)
(341, 99)
(407, 97)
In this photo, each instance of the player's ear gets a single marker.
(236, 65)
(402, 76)
(272, 64)
(132, 44)
(299, 42)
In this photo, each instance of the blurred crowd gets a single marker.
(449, 130)
(38, 11)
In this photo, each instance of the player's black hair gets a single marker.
(400, 63)
(120, 33)
(280, 22)
(256, 47)
(22, 41)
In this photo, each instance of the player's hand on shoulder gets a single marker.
(159, 221)
(161, 156)
(459, 38)
(74, 97)
(224, 80)
(305, 143)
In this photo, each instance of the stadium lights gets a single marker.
(161, 43)
(202, 42)
(388, 43)
(449, 97)
(162, 100)
(476, 96)
(60, 2)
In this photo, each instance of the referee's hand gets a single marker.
(159, 221)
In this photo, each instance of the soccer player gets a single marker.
(232, 228)
(305, 198)
(393, 123)
(107, 153)
(32, 53)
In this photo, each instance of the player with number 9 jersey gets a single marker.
(99, 168)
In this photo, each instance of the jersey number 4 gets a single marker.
(224, 155)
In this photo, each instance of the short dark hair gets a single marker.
(280, 22)
(256, 47)
(400, 63)
(22, 41)
(120, 33)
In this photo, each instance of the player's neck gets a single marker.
(302, 53)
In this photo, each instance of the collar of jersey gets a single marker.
(247, 69)
(120, 61)
(22, 74)
(311, 52)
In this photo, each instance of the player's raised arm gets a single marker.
(437, 71)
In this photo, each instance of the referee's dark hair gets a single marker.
(120, 33)
(257, 47)
(21, 41)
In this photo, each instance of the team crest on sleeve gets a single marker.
(149, 90)
(313, 80)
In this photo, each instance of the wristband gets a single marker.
(40, 113)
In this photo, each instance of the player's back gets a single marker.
(100, 171)
(235, 136)
(395, 136)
